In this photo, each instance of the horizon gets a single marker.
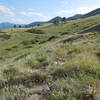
(25, 12)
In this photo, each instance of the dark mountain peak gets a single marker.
(58, 18)
(75, 17)
(92, 13)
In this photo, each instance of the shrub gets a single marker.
(5, 36)
(82, 48)
(36, 31)
(56, 95)
(13, 93)
(30, 63)
(37, 77)
(72, 89)
(35, 62)
(10, 73)
(58, 72)
(59, 55)
(29, 42)
(79, 66)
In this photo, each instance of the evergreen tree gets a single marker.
(63, 19)
(15, 26)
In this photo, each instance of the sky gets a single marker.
(27, 11)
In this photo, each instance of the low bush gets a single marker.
(10, 73)
(13, 93)
(36, 31)
(79, 66)
(56, 95)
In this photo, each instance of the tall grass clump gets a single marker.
(13, 93)
(81, 64)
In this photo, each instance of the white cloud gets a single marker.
(27, 13)
(7, 11)
(60, 12)
(18, 21)
(30, 9)
(81, 10)
(64, 2)
(41, 16)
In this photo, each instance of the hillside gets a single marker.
(89, 14)
(52, 61)
(75, 17)
(92, 13)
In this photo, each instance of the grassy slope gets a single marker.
(61, 57)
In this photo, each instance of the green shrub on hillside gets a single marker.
(82, 64)
(13, 93)
(61, 96)
(36, 31)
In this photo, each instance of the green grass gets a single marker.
(54, 55)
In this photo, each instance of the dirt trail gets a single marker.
(97, 96)
(38, 92)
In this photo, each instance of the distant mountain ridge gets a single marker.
(9, 25)
(6, 25)
(35, 24)
(58, 18)
(75, 17)
(50, 21)
(92, 13)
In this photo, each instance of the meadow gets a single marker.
(51, 61)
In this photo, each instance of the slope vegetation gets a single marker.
(51, 62)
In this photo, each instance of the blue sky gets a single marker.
(27, 11)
